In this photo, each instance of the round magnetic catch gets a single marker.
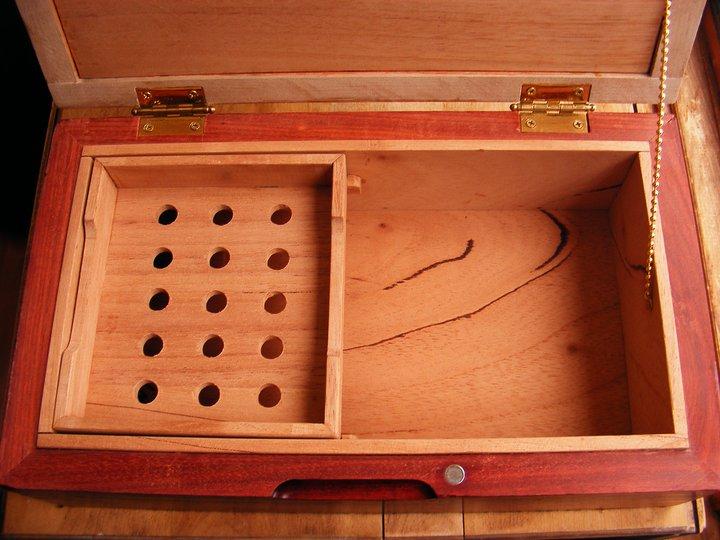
(168, 214)
(454, 474)
(216, 302)
(213, 346)
(223, 215)
(159, 300)
(219, 258)
(163, 258)
(209, 395)
(272, 347)
(147, 392)
(275, 302)
(281, 215)
(152, 345)
(278, 259)
(269, 395)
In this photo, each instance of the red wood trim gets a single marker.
(640, 472)
(37, 305)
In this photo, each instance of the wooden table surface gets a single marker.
(698, 110)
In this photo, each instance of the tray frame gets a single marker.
(84, 269)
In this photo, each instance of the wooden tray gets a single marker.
(207, 285)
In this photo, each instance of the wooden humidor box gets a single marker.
(360, 304)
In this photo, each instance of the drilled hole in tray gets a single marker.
(275, 302)
(168, 214)
(213, 346)
(272, 347)
(269, 395)
(281, 215)
(223, 215)
(159, 300)
(163, 258)
(278, 259)
(153, 345)
(219, 258)
(216, 302)
(209, 395)
(147, 392)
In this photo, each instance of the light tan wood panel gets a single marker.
(187, 37)
(650, 342)
(569, 177)
(97, 223)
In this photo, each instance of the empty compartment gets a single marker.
(205, 298)
(504, 300)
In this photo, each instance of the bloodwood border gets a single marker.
(687, 473)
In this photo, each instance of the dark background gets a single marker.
(27, 106)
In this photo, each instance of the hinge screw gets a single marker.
(194, 126)
(579, 92)
(530, 123)
(454, 475)
(577, 124)
(193, 95)
(531, 91)
(148, 127)
(147, 94)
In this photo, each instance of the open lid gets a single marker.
(96, 52)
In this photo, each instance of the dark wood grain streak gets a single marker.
(562, 242)
(469, 315)
(644, 473)
(468, 249)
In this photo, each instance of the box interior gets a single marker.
(487, 296)
(490, 292)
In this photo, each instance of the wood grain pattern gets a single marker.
(453, 371)
(441, 518)
(67, 292)
(698, 109)
(109, 40)
(647, 472)
(685, 20)
(75, 369)
(120, 516)
(554, 524)
(83, 515)
(649, 335)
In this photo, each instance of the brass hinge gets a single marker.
(171, 111)
(554, 109)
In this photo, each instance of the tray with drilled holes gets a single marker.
(209, 298)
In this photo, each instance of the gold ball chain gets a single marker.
(654, 198)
